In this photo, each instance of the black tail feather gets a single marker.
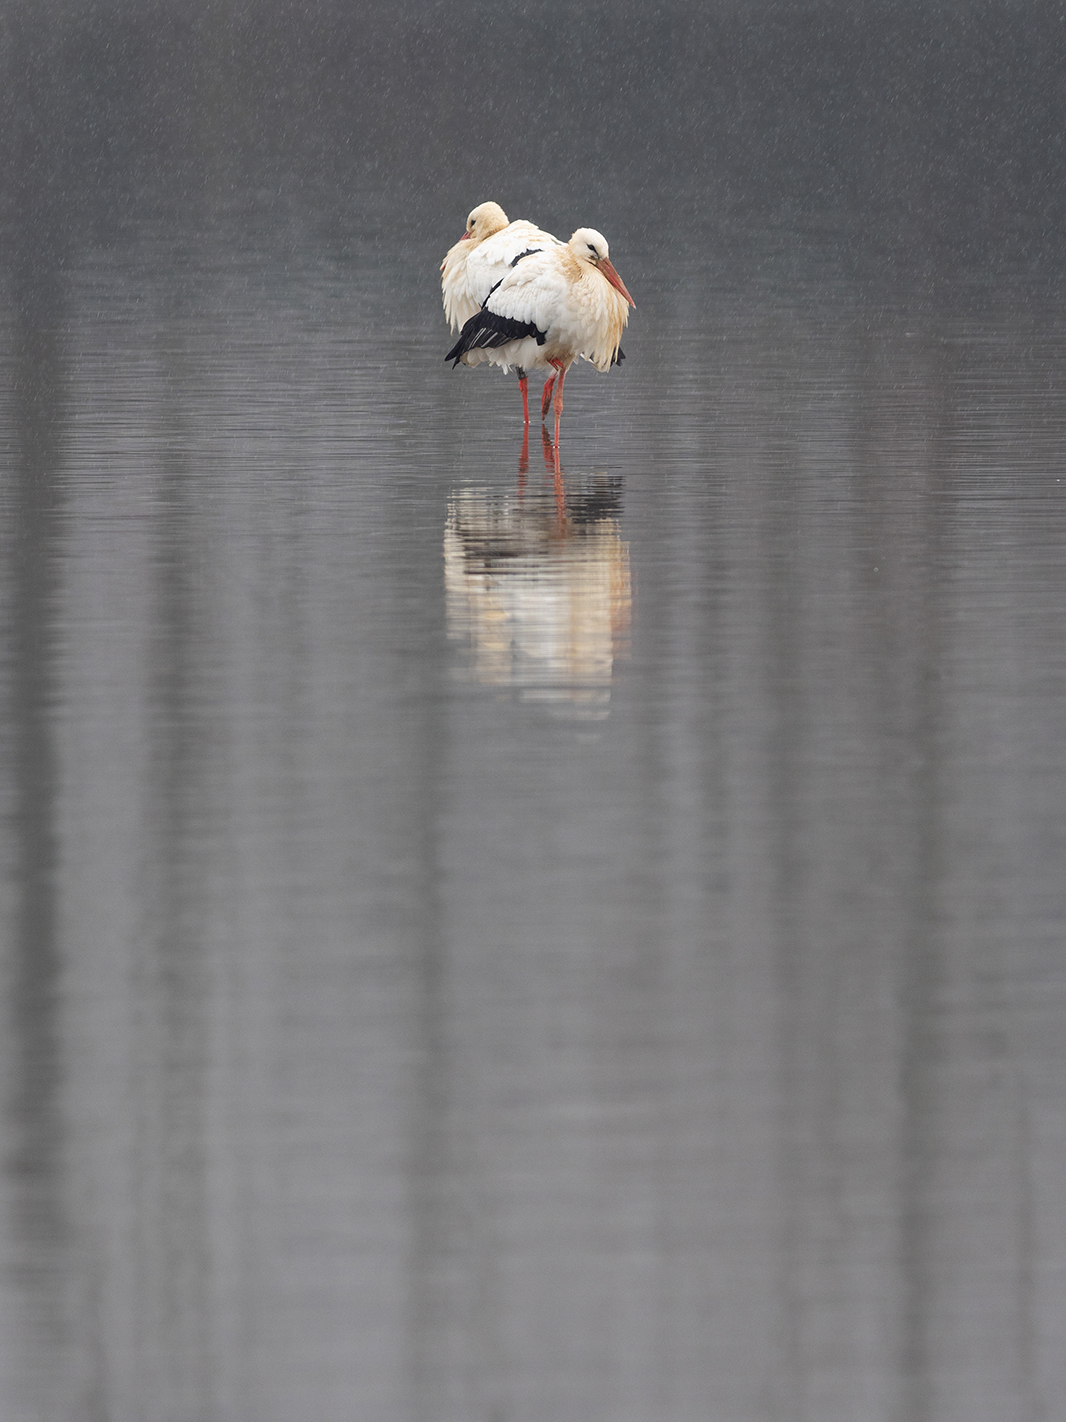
(486, 331)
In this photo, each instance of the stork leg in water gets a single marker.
(523, 385)
(557, 402)
(546, 398)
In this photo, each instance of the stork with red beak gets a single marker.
(480, 260)
(552, 306)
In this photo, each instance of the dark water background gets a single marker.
(480, 947)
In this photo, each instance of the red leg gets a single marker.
(558, 404)
(546, 398)
(523, 385)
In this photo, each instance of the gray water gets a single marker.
(491, 933)
(480, 945)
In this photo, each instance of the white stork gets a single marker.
(552, 306)
(479, 261)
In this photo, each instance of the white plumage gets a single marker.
(482, 257)
(550, 307)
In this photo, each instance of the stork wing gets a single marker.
(534, 290)
(470, 274)
(548, 291)
(460, 302)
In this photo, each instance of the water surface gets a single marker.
(488, 944)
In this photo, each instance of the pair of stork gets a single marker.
(521, 298)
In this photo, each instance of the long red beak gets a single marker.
(615, 280)
(464, 236)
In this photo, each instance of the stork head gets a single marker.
(487, 218)
(588, 245)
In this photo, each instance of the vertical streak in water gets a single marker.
(784, 836)
(171, 983)
(34, 1106)
(432, 1254)
(922, 968)
(432, 1186)
(37, 106)
(1033, 1402)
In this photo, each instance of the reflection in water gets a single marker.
(537, 585)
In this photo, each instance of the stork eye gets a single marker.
(592, 249)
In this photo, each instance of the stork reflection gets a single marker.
(537, 587)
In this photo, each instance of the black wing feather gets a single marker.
(485, 331)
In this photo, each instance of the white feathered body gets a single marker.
(571, 303)
(472, 268)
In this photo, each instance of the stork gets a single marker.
(553, 305)
(478, 262)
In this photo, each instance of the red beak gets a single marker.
(464, 236)
(615, 280)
